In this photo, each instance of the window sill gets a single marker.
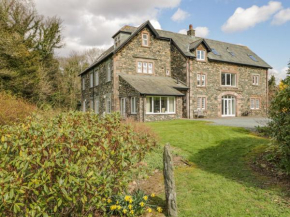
(201, 60)
(134, 113)
(170, 113)
(145, 46)
(201, 86)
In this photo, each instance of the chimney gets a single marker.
(191, 31)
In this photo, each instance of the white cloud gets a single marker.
(179, 15)
(281, 17)
(91, 23)
(244, 19)
(279, 74)
(202, 32)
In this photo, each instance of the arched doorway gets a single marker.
(228, 106)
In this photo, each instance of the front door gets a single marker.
(228, 106)
(123, 107)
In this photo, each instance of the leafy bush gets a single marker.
(13, 109)
(280, 124)
(130, 205)
(66, 165)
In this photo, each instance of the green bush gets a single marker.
(67, 164)
(280, 124)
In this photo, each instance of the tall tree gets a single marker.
(27, 44)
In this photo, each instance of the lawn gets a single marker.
(220, 181)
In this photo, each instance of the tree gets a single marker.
(27, 44)
(280, 124)
(272, 88)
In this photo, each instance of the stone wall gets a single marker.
(213, 90)
(178, 64)
(102, 90)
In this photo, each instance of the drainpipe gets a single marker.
(267, 92)
(188, 76)
(143, 109)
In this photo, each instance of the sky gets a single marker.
(263, 26)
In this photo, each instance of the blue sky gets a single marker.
(271, 42)
(263, 26)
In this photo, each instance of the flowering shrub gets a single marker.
(13, 109)
(130, 205)
(64, 166)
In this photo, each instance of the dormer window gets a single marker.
(200, 55)
(117, 40)
(145, 39)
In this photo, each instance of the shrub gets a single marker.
(14, 109)
(66, 165)
(280, 124)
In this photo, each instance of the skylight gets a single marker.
(232, 53)
(215, 51)
(253, 58)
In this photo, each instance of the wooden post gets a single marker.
(170, 192)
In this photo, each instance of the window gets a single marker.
(215, 52)
(201, 103)
(97, 105)
(150, 68)
(117, 40)
(167, 72)
(201, 80)
(139, 69)
(255, 103)
(108, 104)
(253, 58)
(91, 79)
(256, 79)
(228, 79)
(133, 105)
(84, 105)
(108, 73)
(84, 83)
(144, 67)
(200, 55)
(145, 39)
(123, 106)
(96, 78)
(160, 105)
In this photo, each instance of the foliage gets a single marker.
(67, 164)
(14, 109)
(130, 205)
(220, 181)
(272, 88)
(27, 43)
(280, 124)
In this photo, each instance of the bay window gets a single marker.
(228, 79)
(160, 105)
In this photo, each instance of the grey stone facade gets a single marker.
(169, 61)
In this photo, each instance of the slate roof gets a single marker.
(186, 43)
(155, 85)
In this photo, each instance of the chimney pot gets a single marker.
(190, 27)
(191, 31)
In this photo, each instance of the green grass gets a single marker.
(220, 182)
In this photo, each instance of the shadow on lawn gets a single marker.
(230, 158)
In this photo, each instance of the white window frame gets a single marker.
(150, 68)
(152, 103)
(201, 103)
(145, 41)
(97, 78)
(226, 79)
(108, 106)
(255, 103)
(84, 105)
(123, 106)
(255, 80)
(133, 105)
(200, 55)
(84, 83)
(117, 41)
(91, 79)
(145, 67)
(109, 76)
(201, 80)
(139, 67)
(167, 72)
(97, 105)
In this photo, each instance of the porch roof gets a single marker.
(153, 85)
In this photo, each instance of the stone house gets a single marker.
(151, 74)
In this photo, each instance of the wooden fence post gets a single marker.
(170, 192)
